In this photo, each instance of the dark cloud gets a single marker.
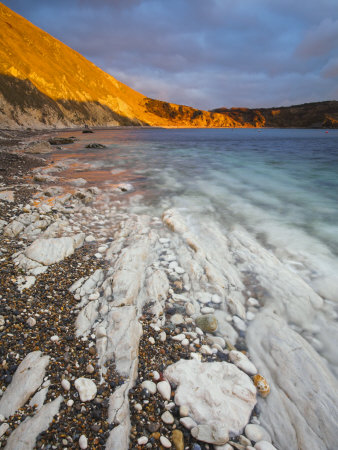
(205, 53)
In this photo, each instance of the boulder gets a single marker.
(53, 250)
(220, 397)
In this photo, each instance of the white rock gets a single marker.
(169, 406)
(220, 397)
(250, 315)
(3, 428)
(256, 433)
(185, 342)
(304, 393)
(167, 417)
(90, 368)
(65, 384)
(70, 403)
(178, 337)
(86, 389)
(54, 338)
(164, 389)
(156, 375)
(26, 380)
(98, 256)
(83, 442)
(53, 250)
(165, 442)
(31, 322)
(184, 410)
(252, 302)
(163, 336)
(239, 323)
(25, 435)
(142, 440)
(90, 238)
(216, 299)
(177, 319)
(190, 309)
(207, 310)
(149, 385)
(179, 270)
(188, 422)
(264, 445)
(242, 362)
(204, 297)
(152, 340)
(138, 407)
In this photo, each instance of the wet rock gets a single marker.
(256, 433)
(264, 445)
(220, 397)
(207, 323)
(95, 145)
(61, 141)
(178, 439)
(86, 389)
(242, 362)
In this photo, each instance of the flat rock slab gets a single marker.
(26, 380)
(220, 397)
(302, 408)
(7, 196)
(24, 437)
(53, 250)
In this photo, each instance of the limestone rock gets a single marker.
(26, 380)
(86, 389)
(302, 408)
(242, 362)
(220, 397)
(264, 445)
(24, 436)
(149, 385)
(256, 433)
(164, 389)
(53, 250)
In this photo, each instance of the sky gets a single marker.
(203, 53)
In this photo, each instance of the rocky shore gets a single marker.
(122, 330)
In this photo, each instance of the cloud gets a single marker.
(203, 53)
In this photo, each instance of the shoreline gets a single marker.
(129, 301)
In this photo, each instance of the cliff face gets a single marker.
(308, 115)
(44, 83)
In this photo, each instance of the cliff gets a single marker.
(44, 83)
(308, 115)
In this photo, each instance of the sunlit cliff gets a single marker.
(45, 83)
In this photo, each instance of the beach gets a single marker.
(138, 313)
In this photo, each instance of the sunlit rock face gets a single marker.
(44, 83)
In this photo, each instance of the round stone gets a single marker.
(83, 442)
(65, 384)
(207, 323)
(264, 445)
(167, 418)
(164, 389)
(178, 439)
(142, 440)
(165, 442)
(256, 433)
(184, 410)
(149, 385)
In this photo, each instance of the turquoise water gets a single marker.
(280, 185)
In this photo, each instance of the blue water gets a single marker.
(280, 185)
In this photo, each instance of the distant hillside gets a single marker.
(44, 83)
(308, 115)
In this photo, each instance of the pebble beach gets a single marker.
(117, 330)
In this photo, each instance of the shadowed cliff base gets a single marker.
(308, 115)
(23, 105)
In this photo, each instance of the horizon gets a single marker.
(181, 53)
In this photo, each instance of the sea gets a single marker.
(279, 185)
